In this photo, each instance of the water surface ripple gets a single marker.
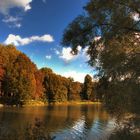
(65, 122)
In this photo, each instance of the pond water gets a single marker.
(65, 122)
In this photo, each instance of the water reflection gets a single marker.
(71, 122)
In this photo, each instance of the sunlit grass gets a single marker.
(41, 103)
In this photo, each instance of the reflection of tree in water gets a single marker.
(95, 121)
(35, 131)
(88, 120)
(8, 121)
(78, 119)
(48, 115)
(75, 119)
(61, 117)
(71, 116)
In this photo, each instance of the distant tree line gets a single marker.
(20, 80)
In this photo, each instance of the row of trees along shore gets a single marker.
(20, 80)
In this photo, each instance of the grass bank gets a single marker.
(41, 103)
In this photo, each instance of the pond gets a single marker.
(65, 122)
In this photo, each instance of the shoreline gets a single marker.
(40, 103)
(34, 103)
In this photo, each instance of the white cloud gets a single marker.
(84, 53)
(67, 56)
(79, 48)
(12, 21)
(19, 41)
(77, 76)
(18, 25)
(97, 38)
(6, 5)
(136, 16)
(44, 1)
(48, 57)
(57, 52)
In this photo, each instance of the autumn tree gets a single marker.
(8, 55)
(40, 89)
(75, 91)
(18, 82)
(26, 81)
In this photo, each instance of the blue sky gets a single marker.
(36, 28)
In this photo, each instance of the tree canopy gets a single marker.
(87, 92)
(111, 30)
(21, 81)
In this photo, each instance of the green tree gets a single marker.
(54, 87)
(87, 91)
(74, 92)
(111, 29)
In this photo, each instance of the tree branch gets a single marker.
(124, 4)
(109, 24)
